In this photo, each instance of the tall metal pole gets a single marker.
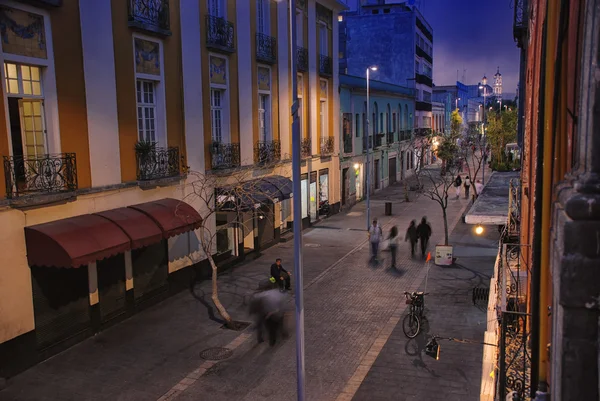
(368, 148)
(297, 200)
(483, 137)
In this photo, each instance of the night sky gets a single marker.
(475, 35)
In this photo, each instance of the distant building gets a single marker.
(457, 95)
(498, 84)
(398, 40)
(438, 121)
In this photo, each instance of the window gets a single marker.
(216, 8)
(216, 114)
(323, 110)
(394, 122)
(22, 80)
(323, 39)
(406, 117)
(380, 123)
(262, 16)
(417, 67)
(299, 28)
(357, 125)
(300, 89)
(427, 96)
(146, 110)
(263, 117)
(388, 118)
(375, 127)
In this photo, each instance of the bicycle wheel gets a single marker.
(411, 325)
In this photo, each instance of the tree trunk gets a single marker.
(445, 216)
(215, 293)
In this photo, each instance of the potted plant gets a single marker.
(144, 153)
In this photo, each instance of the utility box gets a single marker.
(388, 208)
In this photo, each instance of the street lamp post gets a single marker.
(457, 99)
(367, 172)
(297, 201)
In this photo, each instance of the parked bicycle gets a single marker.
(411, 325)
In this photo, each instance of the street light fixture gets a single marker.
(371, 68)
(479, 230)
(457, 99)
(484, 156)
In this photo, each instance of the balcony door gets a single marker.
(262, 16)
(26, 110)
(216, 8)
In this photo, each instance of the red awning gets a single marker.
(174, 217)
(74, 242)
(140, 228)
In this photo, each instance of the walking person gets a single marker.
(424, 232)
(375, 236)
(281, 275)
(478, 187)
(457, 184)
(393, 241)
(268, 309)
(467, 186)
(411, 235)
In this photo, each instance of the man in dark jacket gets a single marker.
(411, 235)
(280, 274)
(424, 232)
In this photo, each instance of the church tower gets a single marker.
(498, 84)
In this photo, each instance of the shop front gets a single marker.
(92, 270)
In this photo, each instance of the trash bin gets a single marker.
(388, 208)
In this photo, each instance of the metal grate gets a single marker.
(216, 354)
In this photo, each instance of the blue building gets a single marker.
(393, 156)
(398, 40)
(457, 95)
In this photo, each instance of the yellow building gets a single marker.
(108, 108)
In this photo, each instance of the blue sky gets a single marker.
(475, 35)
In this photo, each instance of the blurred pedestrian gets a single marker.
(411, 235)
(424, 232)
(393, 243)
(467, 186)
(375, 236)
(457, 184)
(478, 187)
(268, 309)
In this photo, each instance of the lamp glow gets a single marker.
(479, 230)
(356, 166)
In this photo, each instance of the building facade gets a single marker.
(111, 111)
(439, 116)
(403, 51)
(548, 265)
(392, 153)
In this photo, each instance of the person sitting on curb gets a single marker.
(281, 275)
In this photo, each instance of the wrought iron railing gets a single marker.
(348, 142)
(225, 155)
(514, 377)
(378, 140)
(514, 208)
(390, 138)
(325, 65)
(302, 59)
(157, 163)
(327, 146)
(151, 15)
(520, 22)
(267, 152)
(219, 34)
(28, 175)
(306, 148)
(266, 48)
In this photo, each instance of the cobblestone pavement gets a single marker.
(402, 371)
(346, 307)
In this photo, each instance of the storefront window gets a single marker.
(324, 192)
(313, 196)
(304, 193)
(226, 240)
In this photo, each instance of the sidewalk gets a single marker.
(402, 371)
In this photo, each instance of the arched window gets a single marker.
(400, 119)
(374, 120)
(406, 126)
(389, 119)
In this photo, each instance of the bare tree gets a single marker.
(419, 143)
(439, 184)
(473, 152)
(236, 192)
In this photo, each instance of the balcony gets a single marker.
(219, 34)
(39, 175)
(422, 132)
(423, 79)
(267, 152)
(302, 59)
(405, 135)
(154, 163)
(306, 148)
(348, 143)
(421, 53)
(266, 48)
(224, 155)
(150, 15)
(326, 146)
(390, 138)
(423, 106)
(379, 140)
(325, 65)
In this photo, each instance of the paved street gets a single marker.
(348, 303)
